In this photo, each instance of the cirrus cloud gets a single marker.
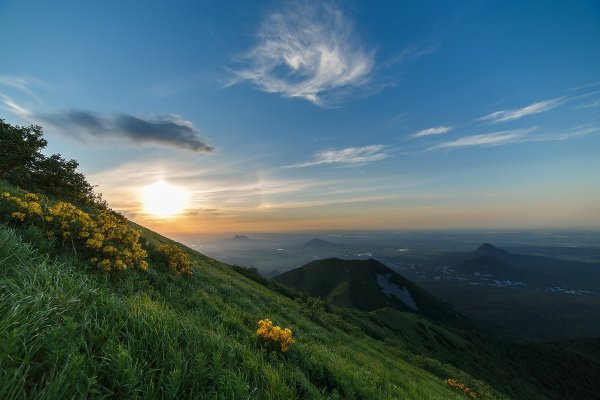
(516, 113)
(350, 156)
(437, 130)
(308, 51)
(486, 139)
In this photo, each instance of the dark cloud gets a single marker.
(168, 130)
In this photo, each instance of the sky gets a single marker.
(286, 116)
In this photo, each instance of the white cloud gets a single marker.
(593, 104)
(350, 156)
(410, 53)
(438, 130)
(486, 139)
(15, 108)
(587, 86)
(574, 133)
(517, 136)
(516, 113)
(21, 83)
(306, 51)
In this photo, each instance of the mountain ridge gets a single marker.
(366, 285)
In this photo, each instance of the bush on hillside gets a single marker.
(175, 258)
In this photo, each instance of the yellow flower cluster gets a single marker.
(22, 208)
(102, 237)
(453, 383)
(105, 237)
(274, 334)
(175, 258)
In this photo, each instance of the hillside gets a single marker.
(516, 366)
(69, 329)
(366, 285)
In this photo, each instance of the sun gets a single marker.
(164, 200)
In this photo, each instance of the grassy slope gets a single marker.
(69, 332)
(519, 369)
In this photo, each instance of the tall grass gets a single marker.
(69, 332)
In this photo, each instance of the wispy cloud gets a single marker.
(516, 113)
(409, 54)
(486, 139)
(593, 104)
(168, 129)
(586, 86)
(437, 130)
(351, 156)
(574, 133)
(22, 84)
(308, 51)
(517, 136)
(14, 108)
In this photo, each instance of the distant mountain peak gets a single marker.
(488, 249)
(241, 237)
(316, 242)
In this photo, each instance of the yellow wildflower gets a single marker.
(273, 333)
(19, 216)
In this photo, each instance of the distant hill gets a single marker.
(240, 238)
(487, 249)
(366, 285)
(317, 243)
(536, 271)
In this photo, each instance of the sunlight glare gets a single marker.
(164, 200)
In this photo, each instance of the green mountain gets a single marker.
(366, 285)
(434, 330)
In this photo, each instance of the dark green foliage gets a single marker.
(58, 177)
(23, 164)
(20, 148)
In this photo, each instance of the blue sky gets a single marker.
(330, 115)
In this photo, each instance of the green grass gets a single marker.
(70, 332)
(521, 369)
